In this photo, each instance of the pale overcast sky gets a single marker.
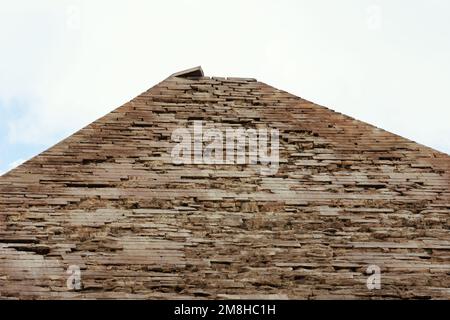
(63, 64)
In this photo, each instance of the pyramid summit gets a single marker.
(352, 211)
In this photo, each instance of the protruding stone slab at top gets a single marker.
(189, 73)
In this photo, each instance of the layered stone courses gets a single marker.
(109, 200)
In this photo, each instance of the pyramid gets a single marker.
(106, 213)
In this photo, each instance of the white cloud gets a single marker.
(77, 60)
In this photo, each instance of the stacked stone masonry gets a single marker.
(109, 199)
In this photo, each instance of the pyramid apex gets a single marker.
(192, 72)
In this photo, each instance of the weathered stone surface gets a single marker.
(109, 200)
